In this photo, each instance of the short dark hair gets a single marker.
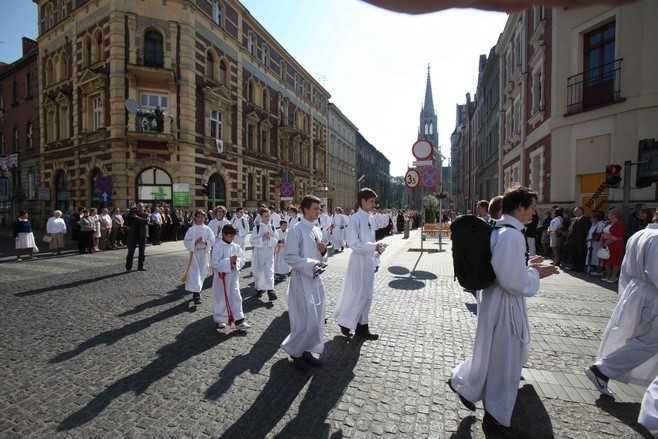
(228, 229)
(518, 197)
(263, 210)
(283, 222)
(308, 201)
(483, 203)
(365, 194)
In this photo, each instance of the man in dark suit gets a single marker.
(577, 237)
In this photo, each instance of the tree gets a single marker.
(431, 206)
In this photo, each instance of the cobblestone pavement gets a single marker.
(89, 351)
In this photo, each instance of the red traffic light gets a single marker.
(613, 169)
(613, 175)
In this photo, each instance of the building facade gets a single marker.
(341, 150)
(373, 169)
(487, 137)
(20, 176)
(161, 98)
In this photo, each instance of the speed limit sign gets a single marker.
(412, 178)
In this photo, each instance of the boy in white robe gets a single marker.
(502, 338)
(324, 223)
(241, 224)
(353, 305)
(306, 253)
(216, 224)
(264, 239)
(281, 268)
(629, 347)
(338, 225)
(227, 260)
(198, 240)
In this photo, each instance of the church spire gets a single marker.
(428, 106)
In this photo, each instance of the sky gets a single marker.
(372, 61)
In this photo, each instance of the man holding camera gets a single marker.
(137, 227)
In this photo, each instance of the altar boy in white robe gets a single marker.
(306, 253)
(353, 305)
(338, 225)
(219, 221)
(241, 224)
(264, 239)
(629, 348)
(227, 260)
(281, 268)
(502, 338)
(198, 240)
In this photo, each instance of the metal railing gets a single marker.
(595, 87)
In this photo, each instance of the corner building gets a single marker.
(163, 97)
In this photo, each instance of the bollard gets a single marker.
(406, 229)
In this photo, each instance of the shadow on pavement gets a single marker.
(626, 412)
(326, 387)
(261, 351)
(114, 335)
(70, 285)
(530, 415)
(195, 339)
(464, 429)
(406, 283)
(172, 296)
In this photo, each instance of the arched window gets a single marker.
(250, 187)
(86, 51)
(263, 54)
(50, 16)
(264, 187)
(153, 49)
(250, 90)
(154, 186)
(50, 72)
(431, 128)
(217, 194)
(223, 73)
(266, 99)
(63, 68)
(97, 54)
(210, 65)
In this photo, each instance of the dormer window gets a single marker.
(153, 49)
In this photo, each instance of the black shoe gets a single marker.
(142, 269)
(310, 359)
(345, 331)
(196, 298)
(468, 404)
(363, 332)
(259, 293)
(301, 364)
(271, 295)
(128, 270)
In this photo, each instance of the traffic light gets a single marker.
(613, 175)
(206, 191)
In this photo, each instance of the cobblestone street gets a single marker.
(89, 351)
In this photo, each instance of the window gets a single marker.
(14, 91)
(250, 187)
(210, 65)
(16, 134)
(31, 186)
(50, 72)
(250, 43)
(250, 91)
(537, 86)
(263, 54)
(2, 144)
(97, 54)
(2, 98)
(64, 120)
(599, 65)
(215, 124)
(539, 13)
(223, 73)
(149, 101)
(282, 70)
(216, 13)
(63, 69)
(29, 135)
(263, 185)
(154, 186)
(96, 113)
(86, 51)
(266, 99)
(50, 16)
(28, 85)
(63, 9)
(51, 133)
(153, 49)
(251, 137)
(264, 140)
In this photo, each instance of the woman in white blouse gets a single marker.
(56, 229)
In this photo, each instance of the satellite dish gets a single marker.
(131, 106)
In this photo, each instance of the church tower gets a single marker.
(428, 129)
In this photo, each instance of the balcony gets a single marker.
(594, 88)
(143, 125)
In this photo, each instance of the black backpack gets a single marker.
(471, 252)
